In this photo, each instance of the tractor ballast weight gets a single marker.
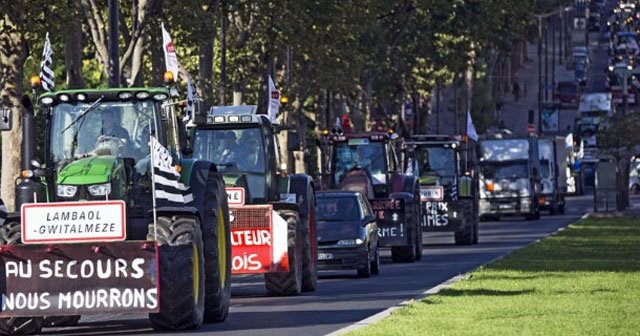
(371, 164)
(272, 212)
(91, 235)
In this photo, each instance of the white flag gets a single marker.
(191, 100)
(46, 67)
(274, 101)
(170, 58)
(471, 129)
(166, 177)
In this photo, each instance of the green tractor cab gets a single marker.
(113, 190)
(273, 222)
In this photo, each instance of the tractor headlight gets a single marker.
(100, 189)
(350, 242)
(67, 190)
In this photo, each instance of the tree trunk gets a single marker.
(13, 53)
(73, 50)
(205, 72)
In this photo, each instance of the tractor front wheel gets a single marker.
(181, 296)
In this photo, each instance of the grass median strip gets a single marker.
(583, 281)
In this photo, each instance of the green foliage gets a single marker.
(620, 137)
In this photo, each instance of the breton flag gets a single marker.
(192, 96)
(3, 212)
(170, 58)
(46, 70)
(274, 101)
(471, 129)
(166, 178)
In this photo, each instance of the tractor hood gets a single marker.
(91, 170)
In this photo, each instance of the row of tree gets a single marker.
(366, 58)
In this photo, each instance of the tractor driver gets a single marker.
(112, 136)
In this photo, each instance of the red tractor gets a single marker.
(371, 164)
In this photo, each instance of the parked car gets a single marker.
(347, 233)
(568, 93)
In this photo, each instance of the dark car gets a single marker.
(347, 233)
(568, 93)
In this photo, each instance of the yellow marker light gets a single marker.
(490, 186)
(284, 100)
(179, 168)
(35, 81)
(168, 77)
(26, 173)
(325, 132)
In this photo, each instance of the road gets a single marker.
(341, 298)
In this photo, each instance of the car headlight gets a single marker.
(100, 189)
(350, 242)
(67, 190)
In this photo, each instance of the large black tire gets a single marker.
(289, 283)
(466, 235)
(217, 251)
(365, 272)
(309, 246)
(407, 254)
(181, 275)
(418, 227)
(10, 235)
(476, 226)
(375, 263)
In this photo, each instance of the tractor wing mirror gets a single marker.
(5, 118)
(293, 141)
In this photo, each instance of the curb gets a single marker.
(436, 289)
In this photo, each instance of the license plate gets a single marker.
(505, 206)
(325, 256)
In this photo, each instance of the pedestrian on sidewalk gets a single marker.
(516, 91)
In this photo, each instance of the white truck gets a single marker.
(553, 174)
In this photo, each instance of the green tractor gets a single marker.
(273, 227)
(446, 169)
(113, 218)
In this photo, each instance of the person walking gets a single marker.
(516, 91)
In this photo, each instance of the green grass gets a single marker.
(582, 281)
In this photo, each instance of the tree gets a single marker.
(13, 53)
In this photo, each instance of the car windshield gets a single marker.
(237, 150)
(504, 169)
(107, 128)
(363, 154)
(337, 209)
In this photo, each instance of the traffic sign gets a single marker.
(531, 128)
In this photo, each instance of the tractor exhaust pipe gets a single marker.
(29, 190)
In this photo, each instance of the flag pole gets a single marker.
(153, 183)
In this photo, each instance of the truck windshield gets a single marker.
(504, 170)
(108, 128)
(360, 154)
(232, 150)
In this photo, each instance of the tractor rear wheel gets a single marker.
(181, 296)
(407, 254)
(466, 235)
(289, 283)
(10, 235)
(309, 247)
(217, 251)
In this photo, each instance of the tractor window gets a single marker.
(361, 154)
(239, 150)
(108, 128)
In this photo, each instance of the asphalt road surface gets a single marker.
(341, 298)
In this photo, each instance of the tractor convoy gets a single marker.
(131, 207)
